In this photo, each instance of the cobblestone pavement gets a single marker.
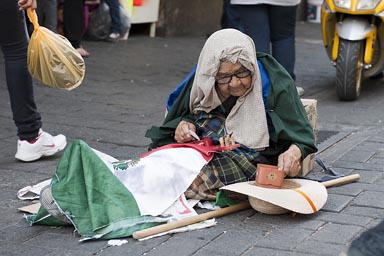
(123, 94)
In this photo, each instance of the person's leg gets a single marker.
(33, 142)
(114, 12)
(14, 44)
(224, 18)
(40, 12)
(231, 18)
(254, 21)
(50, 14)
(73, 15)
(283, 24)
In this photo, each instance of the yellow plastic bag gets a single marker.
(52, 59)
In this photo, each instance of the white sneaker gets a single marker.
(44, 145)
(113, 37)
(300, 90)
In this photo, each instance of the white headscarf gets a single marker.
(247, 119)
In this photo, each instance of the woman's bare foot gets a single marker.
(82, 52)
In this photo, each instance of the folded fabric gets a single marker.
(105, 199)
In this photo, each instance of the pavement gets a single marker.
(124, 93)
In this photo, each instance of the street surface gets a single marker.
(124, 93)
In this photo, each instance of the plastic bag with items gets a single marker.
(100, 23)
(52, 60)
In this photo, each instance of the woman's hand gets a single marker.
(289, 161)
(228, 141)
(182, 132)
(24, 4)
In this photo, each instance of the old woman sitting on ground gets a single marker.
(248, 95)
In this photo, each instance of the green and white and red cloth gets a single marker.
(107, 199)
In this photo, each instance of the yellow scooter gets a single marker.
(353, 36)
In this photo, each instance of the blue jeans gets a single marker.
(14, 44)
(272, 28)
(114, 11)
(230, 18)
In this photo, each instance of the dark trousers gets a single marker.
(272, 28)
(14, 45)
(230, 18)
(73, 15)
(47, 13)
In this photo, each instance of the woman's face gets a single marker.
(232, 79)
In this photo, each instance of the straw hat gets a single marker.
(297, 195)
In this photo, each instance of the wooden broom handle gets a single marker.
(341, 180)
(190, 220)
(221, 212)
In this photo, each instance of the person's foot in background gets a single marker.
(83, 52)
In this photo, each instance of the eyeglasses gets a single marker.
(228, 78)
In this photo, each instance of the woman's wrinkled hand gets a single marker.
(290, 160)
(182, 132)
(25, 4)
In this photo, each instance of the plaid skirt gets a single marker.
(226, 167)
